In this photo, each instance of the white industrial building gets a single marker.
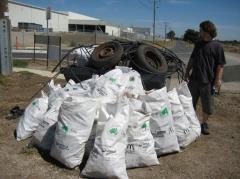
(32, 18)
(82, 23)
(23, 13)
(29, 17)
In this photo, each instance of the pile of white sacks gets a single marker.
(111, 119)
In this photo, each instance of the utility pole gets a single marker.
(5, 42)
(165, 29)
(48, 16)
(154, 19)
(3, 8)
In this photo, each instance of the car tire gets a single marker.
(106, 55)
(151, 59)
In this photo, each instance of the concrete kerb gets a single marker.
(38, 72)
(231, 73)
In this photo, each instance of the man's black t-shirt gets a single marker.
(205, 58)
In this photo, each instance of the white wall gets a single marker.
(76, 16)
(21, 13)
(113, 30)
(59, 22)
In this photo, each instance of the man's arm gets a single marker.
(221, 61)
(188, 69)
(190, 64)
(218, 77)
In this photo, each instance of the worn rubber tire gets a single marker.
(100, 58)
(151, 59)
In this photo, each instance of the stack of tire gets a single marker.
(147, 60)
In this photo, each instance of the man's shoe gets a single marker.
(206, 125)
(204, 129)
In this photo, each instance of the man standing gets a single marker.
(204, 71)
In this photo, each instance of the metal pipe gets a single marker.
(3, 8)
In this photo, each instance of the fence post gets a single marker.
(23, 39)
(60, 50)
(47, 49)
(95, 34)
(34, 42)
(17, 43)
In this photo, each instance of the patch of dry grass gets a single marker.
(28, 151)
(2, 79)
(167, 44)
(230, 47)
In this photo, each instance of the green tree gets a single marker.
(191, 35)
(171, 35)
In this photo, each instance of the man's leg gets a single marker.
(205, 118)
(194, 90)
(207, 106)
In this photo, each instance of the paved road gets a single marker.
(231, 70)
(232, 58)
(28, 54)
(17, 55)
(183, 51)
(38, 72)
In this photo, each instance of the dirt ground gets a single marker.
(216, 156)
(231, 47)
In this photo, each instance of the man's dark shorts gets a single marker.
(203, 91)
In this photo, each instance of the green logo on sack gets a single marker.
(132, 78)
(113, 79)
(113, 131)
(144, 126)
(34, 103)
(164, 111)
(65, 129)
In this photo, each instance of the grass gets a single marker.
(167, 44)
(235, 48)
(73, 44)
(28, 151)
(2, 79)
(20, 63)
(26, 75)
(189, 45)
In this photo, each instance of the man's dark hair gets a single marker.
(208, 26)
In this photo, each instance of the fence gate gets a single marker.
(53, 46)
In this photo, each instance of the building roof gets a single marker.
(35, 7)
(87, 22)
(76, 16)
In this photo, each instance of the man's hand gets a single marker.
(218, 77)
(217, 84)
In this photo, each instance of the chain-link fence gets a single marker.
(24, 39)
(69, 39)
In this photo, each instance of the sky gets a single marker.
(179, 15)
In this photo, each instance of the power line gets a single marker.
(154, 19)
(165, 23)
(154, 14)
(144, 5)
(159, 22)
(156, 4)
(165, 29)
